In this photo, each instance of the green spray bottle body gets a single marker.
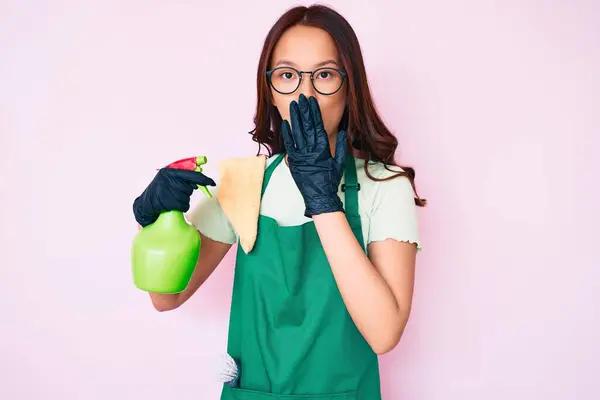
(164, 254)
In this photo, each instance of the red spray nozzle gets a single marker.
(192, 164)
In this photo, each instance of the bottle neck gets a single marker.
(171, 219)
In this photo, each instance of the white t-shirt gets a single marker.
(387, 208)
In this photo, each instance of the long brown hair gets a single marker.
(368, 137)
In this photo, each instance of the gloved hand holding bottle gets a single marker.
(170, 190)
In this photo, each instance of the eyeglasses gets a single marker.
(326, 81)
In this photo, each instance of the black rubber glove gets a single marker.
(170, 189)
(316, 173)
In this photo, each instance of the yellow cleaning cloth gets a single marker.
(240, 185)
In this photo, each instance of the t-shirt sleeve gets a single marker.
(208, 217)
(394, 212)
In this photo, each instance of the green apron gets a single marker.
(289, 330)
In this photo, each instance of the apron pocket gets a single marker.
(245, 394)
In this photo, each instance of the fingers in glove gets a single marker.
(341, 149)
(176, 197)
(288, 140)
(297, 129)
(321, 138)
(143, 215)
(308, 126)
(189, 177)
(315, 112)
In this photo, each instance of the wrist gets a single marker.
(323, 205)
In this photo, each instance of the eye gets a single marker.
(285, 74)
(324, 74)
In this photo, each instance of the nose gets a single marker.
(306, 88)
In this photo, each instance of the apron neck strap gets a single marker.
(350, 187)
(269, 172)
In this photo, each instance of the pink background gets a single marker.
(495, 103)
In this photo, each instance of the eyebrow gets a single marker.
(321, 64)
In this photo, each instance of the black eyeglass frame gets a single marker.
(312, 80)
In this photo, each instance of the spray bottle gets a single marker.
(164, 254)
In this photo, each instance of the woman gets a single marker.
(329, 283)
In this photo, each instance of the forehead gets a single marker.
(305, 46)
